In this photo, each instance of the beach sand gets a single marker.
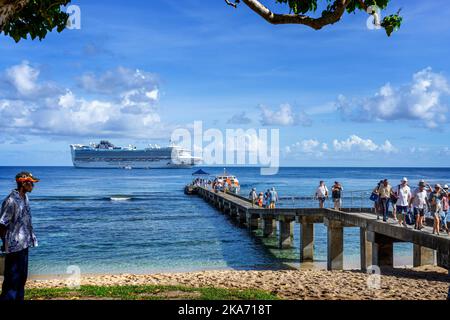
(424, 283)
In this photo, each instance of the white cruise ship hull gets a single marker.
(130, 165)
(128, 158)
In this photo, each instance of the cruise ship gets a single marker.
(106, 155)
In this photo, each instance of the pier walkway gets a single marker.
(376, 237)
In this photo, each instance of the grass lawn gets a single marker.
(146, 293)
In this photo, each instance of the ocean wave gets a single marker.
(120, 198)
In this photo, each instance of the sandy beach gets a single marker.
(424, 283)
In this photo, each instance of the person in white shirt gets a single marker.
(404, 197)
(419, 202)
(253, 196)
(321, 194)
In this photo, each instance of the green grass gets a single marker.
(147, 293)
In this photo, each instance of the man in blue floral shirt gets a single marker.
(16, 232)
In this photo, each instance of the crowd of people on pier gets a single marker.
(411, 206)
(405, 204)
(267, 199)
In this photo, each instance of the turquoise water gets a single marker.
(155, 227)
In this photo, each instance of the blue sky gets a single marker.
(345, 95)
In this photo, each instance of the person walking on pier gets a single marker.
(267, 199)
(253, 196)
(16, 232)
(404, 197)
(376, 198)
(419, 202)
(321, 194)
(385, 192)
(336, 193)
(436, 206)
(445, 208)
(261, 200)
(273, 198)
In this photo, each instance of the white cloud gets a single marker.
(284, 116)
(424, 100)
(349, 145)
(309, 147)
(23, 77)
(124, 104)
(355, 143)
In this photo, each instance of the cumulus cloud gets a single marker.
(284, 116)
(423, 100)
(307, 146)
(355, 143)
(349, 145)
(124, 104)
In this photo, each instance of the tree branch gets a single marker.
(363, 5)
(228, 2)
(330, 17)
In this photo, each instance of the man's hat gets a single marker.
(422, 184)
(26, 177)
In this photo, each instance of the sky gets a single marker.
(137, 70)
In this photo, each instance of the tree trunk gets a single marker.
(8, 8)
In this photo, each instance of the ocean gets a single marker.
(140, 221)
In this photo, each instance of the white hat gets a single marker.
(445, 186)
(405, 179)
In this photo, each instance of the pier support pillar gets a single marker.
(227, 208)
(422, 256)
(365, 250)
(335, 245)
(267, 225)
(241, 216)
(443, 258)
(382, 250)
(306, 242)
(2, 265)
(252, 221)
(285, 232)
(234, 211)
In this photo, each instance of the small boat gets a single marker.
(128, 168)
(228, 183)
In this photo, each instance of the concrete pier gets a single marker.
(242, 217)
(382, 250)
(365, 249)
(423, 256)
(285, 232)
(377, 238)
(252, 221)
(306, 241)
(443, 258)
(335, 244)
(268, 225)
